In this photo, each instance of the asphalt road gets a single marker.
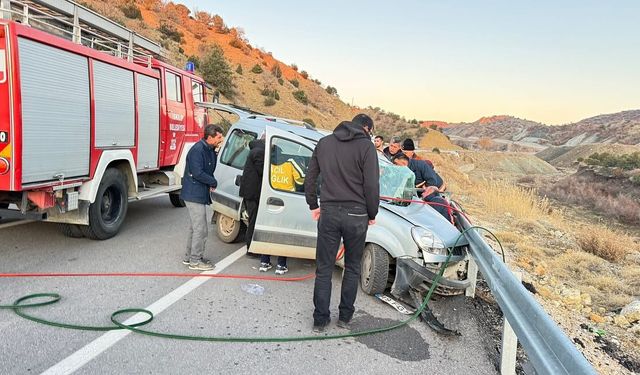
(153, 240)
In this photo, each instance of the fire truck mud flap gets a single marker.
(79, 216)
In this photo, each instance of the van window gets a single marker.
(289, 163)
(174, 87)
(236, 149)
(198, 92)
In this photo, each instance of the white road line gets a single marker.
(14, 223)
(90, 351)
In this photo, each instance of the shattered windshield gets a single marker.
(395, 181)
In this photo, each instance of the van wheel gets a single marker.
(374, 271)
(71, 230)
(107, 213)
(176, 201)
(228, 229)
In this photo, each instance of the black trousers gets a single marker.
(348, 222)
(252, 210)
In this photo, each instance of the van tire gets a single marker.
(374, 272)
(71, 230)
(109, 210)
(176, 201)
(227, 228)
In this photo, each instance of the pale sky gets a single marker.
(548, 61)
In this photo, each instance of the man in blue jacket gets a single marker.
(197, 183)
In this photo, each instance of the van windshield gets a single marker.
(395, 181)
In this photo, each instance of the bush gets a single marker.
(216, 71)
(309, 121)
(317, 82)
(235, 43)
(603, 242)
(131, 10)
(301, 97)
(257, 69)
(270, 93)
(295, 83)
(276, 95)
(332, 90)
(170, 32)
(281, 81)
(269, 101)
(436, 150)
(304, 74)
(294, 67)
(239, 69)
(276, 71)
(625, 161)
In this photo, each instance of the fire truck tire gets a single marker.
(176, 201)
(107, 213)
(71, 230)
(374, 272)
(227, 228)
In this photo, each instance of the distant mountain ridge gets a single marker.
(621, 127)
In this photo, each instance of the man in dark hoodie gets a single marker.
(251, 184)
(350, 194)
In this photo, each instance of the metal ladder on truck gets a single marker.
(82, 25)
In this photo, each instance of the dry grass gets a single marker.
(605, 243)
(504, 198)
(508, 237)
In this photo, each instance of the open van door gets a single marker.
(284, 225)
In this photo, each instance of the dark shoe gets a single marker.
(281, 270)
(342, 324)
(203, 265)
(320, 328)
(264, 267)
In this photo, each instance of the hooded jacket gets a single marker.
(347, 162)
(251, 182)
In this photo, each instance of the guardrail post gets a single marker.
(509, 344)
(472, 276)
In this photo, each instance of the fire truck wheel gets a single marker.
(228, 229)
(108, 211)
(374, 271)
(71, 230)
(176, 201)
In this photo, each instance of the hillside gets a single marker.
(290, 90)
(567, 156)
(621, 127)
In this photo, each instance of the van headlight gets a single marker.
(427, 240)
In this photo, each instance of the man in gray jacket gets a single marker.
(347, 161)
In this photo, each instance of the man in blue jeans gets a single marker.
(350, 195)
(197, 184)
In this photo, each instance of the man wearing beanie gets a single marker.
(409, 149)
(348, 164)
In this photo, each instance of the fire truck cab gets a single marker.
(90, 119)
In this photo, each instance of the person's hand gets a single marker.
(372, 222)
(428, 191)
(212, 189)
(315, 214)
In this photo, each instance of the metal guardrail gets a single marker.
(548, 349)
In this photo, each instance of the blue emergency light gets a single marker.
(191, 67)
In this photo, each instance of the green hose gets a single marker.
(17, 307)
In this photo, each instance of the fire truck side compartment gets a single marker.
(115, 107)
(148, 122)
(55, 112)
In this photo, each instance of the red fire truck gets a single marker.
(90, 118)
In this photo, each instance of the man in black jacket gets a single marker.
(350, 195)
(251, 184)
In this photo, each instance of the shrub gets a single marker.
(309, 121)
(170, 32)
(269, 101)
(301, 97)
(605, 243)
(276, 71)
(131, 10)
(317, 82)
(276, 95)
(239, 69)
(294, 67)
(295, 83)
(304, 74)
(216, 71)
(235, 43)
(625, 161)
(257, 69)
(436, 150)
(281, 81)
(270, 93)
(331, 90)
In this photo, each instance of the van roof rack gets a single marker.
(72, 21)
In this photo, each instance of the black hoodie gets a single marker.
(348, 164)
(251, 182)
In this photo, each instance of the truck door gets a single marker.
(173, 134)
(284, 225)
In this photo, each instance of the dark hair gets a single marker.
(364, 121)
(395, 140)
(380, 137)
(400, 156)
(212, 130)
